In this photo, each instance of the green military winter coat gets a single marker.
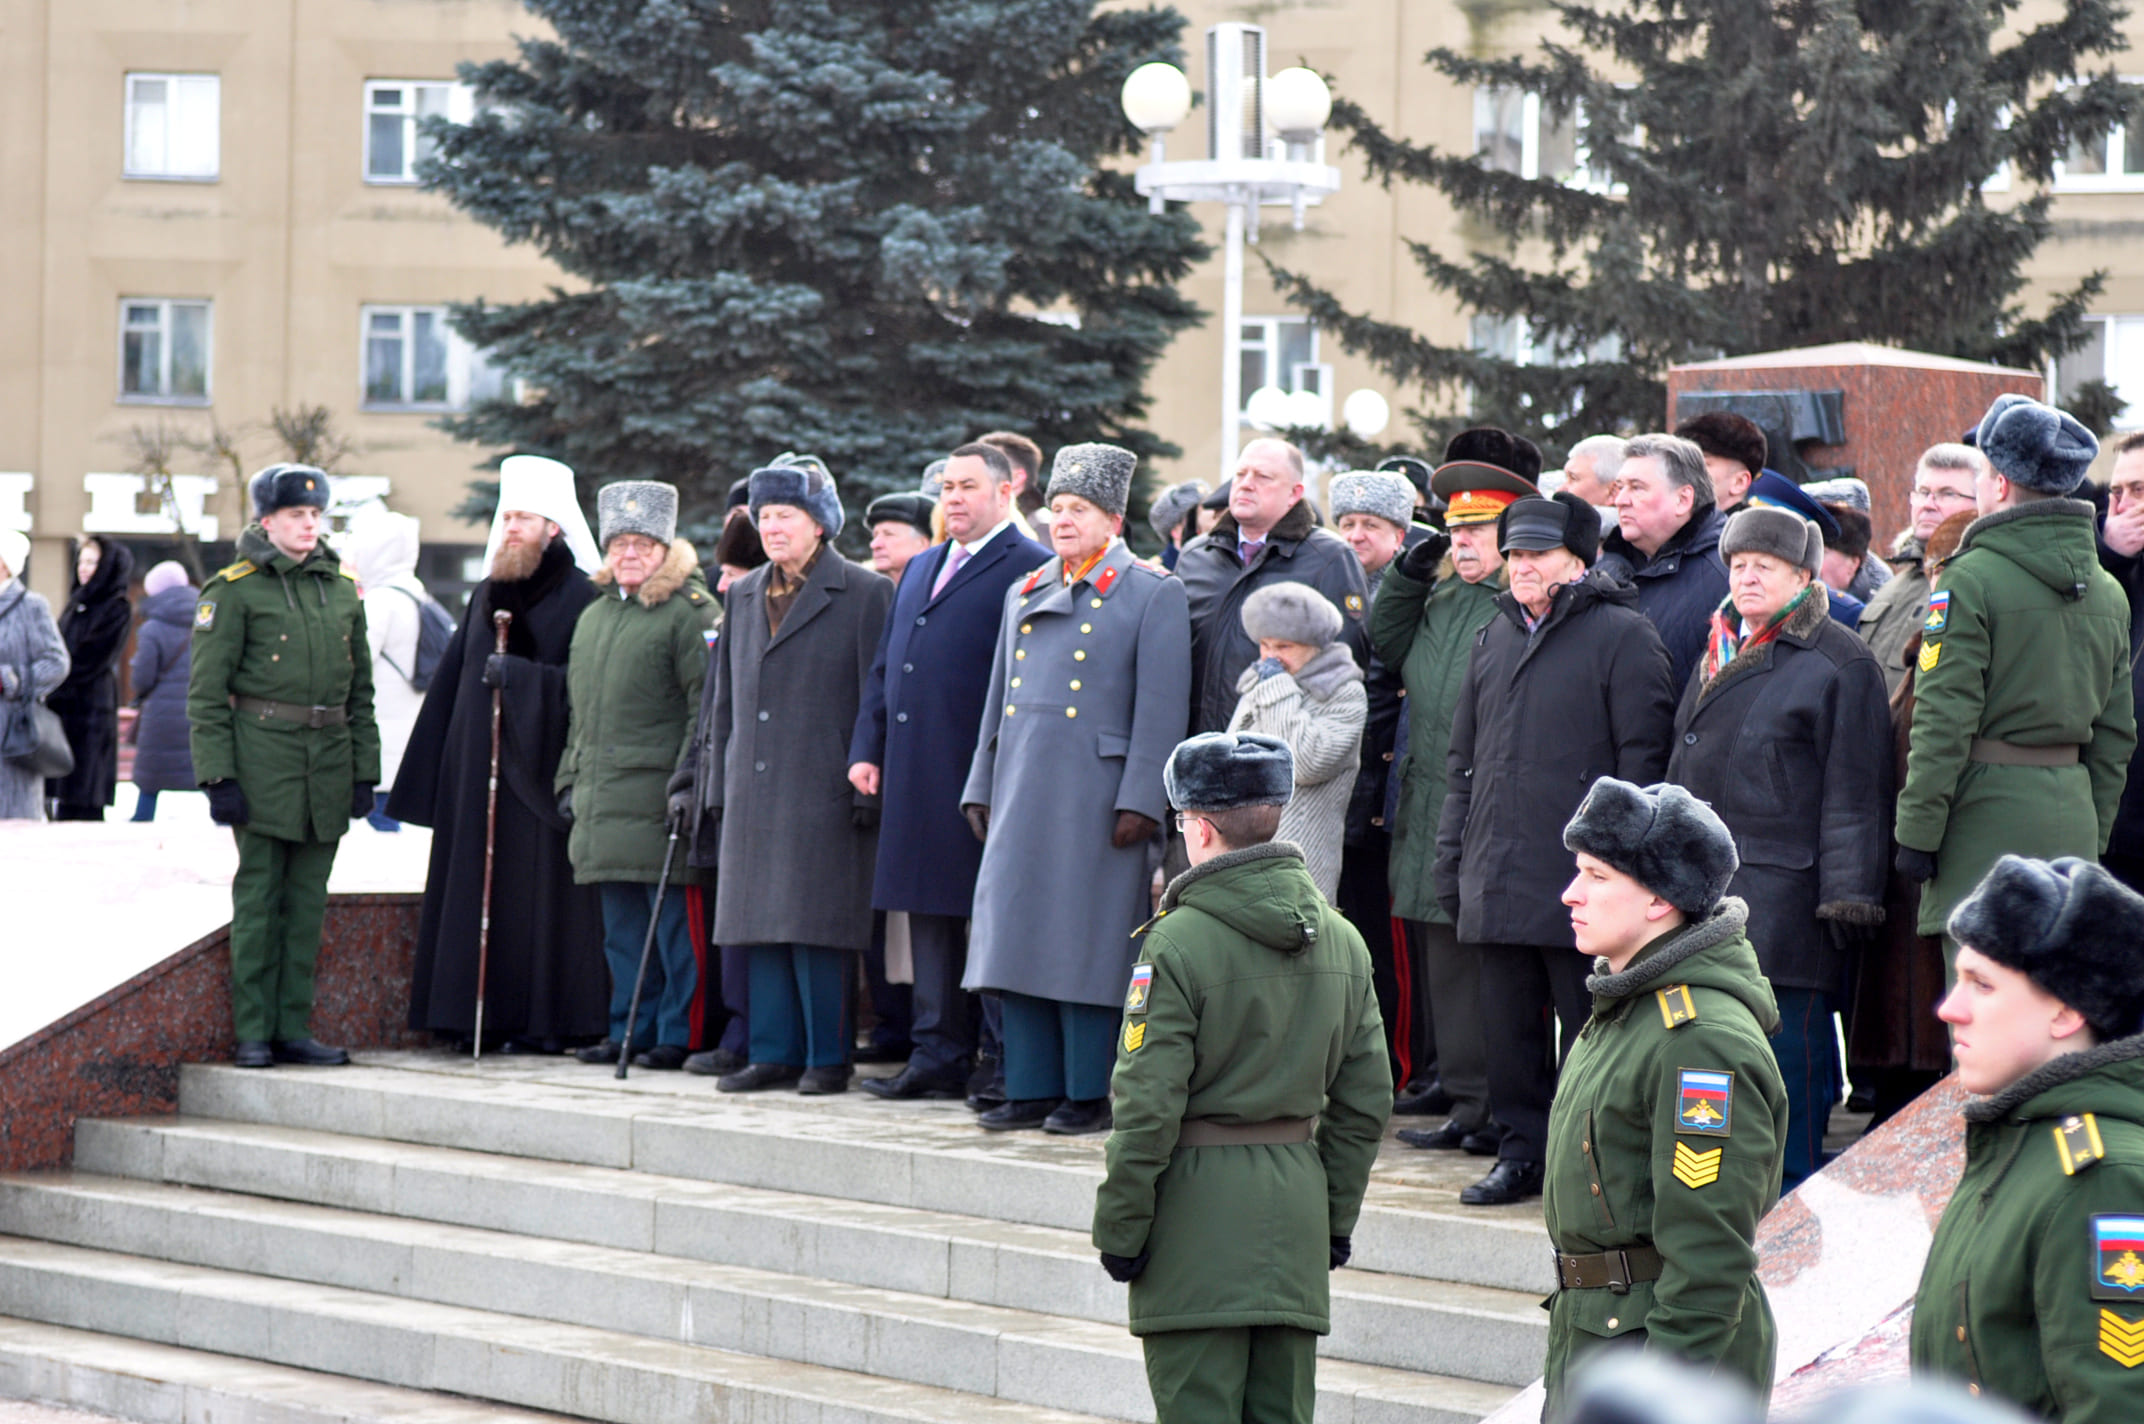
(2026, 641)
(633, 675)
(291, 631)
(2034, 1287)
(1251, 1002)
(1427, 632)
(1668, 1130)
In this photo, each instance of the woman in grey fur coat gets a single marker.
(33, 661)
(1306, 690)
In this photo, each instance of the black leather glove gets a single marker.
(1919, 866)
(864, 818)
(1849, 940)
(1420, 561)
(978, 820)
(565, 804)
(361, 800)
(226, 803)
(681, 809)
(1343, 1247)
(1125, 1269)
(495, 670)
(1132, 828)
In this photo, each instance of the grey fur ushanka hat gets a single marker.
(1220, 771)
(2068, 926)
(1292, 613)
(636, 507)
(1660, 836)
(1767, 529)
(2036, 445)
(804, 485)
(1169, 508)
(1099, 474)
(1387, 494)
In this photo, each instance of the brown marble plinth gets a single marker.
(119, 1055)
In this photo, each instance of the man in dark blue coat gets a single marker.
(915, 737)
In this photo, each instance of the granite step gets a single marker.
(1378, 1318)
(598, 1373)
(167, 1384)
(924, 1156)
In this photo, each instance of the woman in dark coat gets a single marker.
(94, 625)
(163, 656)
(1786, 730)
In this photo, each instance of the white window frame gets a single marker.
(163, 395)
(467, 370)
(461, 108)
(198, 85)
(1582, 176)
(2123, 344)
(2114, 180)
(1269, 350)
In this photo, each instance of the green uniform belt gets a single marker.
(292, 712)
(1204, 1132)
(1614, 1270)
(1996, 753)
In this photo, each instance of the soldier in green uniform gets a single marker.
(1666, 1137)
(2034, 1287)
(284, 743)
(2024, 718)
(1252, 1087)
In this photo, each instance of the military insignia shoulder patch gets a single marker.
(232, 573)
(1142, 982)
(2117, 1257)
(2120, 1341)
(1676, 1006)
(1134, 1036)
(1107, 577)
(205, 614)
(1938, 613)
(1695, 1169)
(347, 572)
(1032, 579)
(2077, 1144)
(1354, 604)
(1929, 653)
(1704, 1101)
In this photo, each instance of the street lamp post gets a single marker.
(1265, 137)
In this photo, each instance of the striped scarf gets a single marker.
(1726, 643)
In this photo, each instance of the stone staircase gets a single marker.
(418, 1238)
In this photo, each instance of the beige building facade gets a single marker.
(206, 212)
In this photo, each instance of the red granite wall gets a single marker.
(119, 1055)
(1893, 413)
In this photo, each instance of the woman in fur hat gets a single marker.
(1785, 731)
(2034, 1286)
(1306, 690)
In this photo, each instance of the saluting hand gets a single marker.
(1421, 559)
(1132, 828)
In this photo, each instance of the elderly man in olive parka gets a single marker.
(2025, 717)
(1665, 1141)
(1250, 1013)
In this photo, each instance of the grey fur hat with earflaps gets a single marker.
(2068, 926)
(1660, 836)
(1291, 613)
(1220, 771)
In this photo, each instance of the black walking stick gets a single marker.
(499, 622)
(647, 947)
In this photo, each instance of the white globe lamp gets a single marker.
(1156, 97)
(1298, 103)
(1366, 414)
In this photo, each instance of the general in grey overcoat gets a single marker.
(1090, 691)
(796, 866)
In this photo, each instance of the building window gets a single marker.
(1515, 133)
(413, 360)
(2112, 161)
(2114, 353)
(1280, 351)
(393, 142)
(174, 126)
(163, 350)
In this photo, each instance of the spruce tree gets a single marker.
(1756, 175)
(864, 230)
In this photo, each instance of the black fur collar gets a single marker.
(2066, 1069)
(1727, 920)
(1271, 850)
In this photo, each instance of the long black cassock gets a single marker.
(546, 977)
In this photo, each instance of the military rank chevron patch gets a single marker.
(2120, 1341)
(1696, 1169)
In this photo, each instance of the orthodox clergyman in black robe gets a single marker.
(546, 981)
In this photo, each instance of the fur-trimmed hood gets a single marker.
(676, 570)
(2051, 539)
(2108, 1078)
(1713, 953)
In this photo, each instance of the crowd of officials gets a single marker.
(1796, 767)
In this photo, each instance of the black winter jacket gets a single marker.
(1791, 744)
(1216, 583)
(1678, 587)
(1541, 716)
(163, 656)
(1387, 694)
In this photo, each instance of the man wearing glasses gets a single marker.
(1942, 486)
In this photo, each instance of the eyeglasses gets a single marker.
(1183, 820)
(1931, 493)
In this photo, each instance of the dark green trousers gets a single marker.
(1250, 1374)
(279, 899)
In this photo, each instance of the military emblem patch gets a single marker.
(1696, 1169)
(205, 614)
(1938, 613)
(1676, 1009)
(1704, 1101)
(1354, 604)
(2120, 1341)
(2077, 1143)
(1142, 981)
(1929, 653)
(1134, 1036)
(2118, 1257)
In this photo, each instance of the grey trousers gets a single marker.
(1451, 983)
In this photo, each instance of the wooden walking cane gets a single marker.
(499, 622)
